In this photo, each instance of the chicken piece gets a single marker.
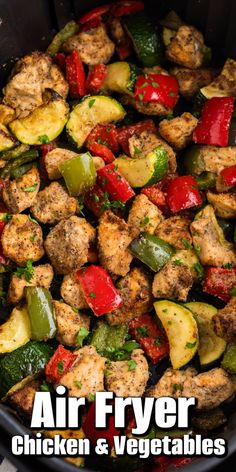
(186, 48)
(210, 388)
(191, 81)
(54, 158)
(114, 237)
(135, 290)
(7, 114)
(146, 108)
(226, 81)
(69, 321)
(178, 131)
(42, 277)
(53, 204)
(86, 376)
(144, 215)
(225, 320)
(175, 230)
(208, 238)
(224, 204)
(215, 158)
(22, 400)
(173, 281)
(67, 244)
(72, 293)
(140, 145)
(31, 76)
(22, 240)
(20, 194)
(93, 45)
(128, 378)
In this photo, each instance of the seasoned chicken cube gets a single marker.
(191, 81)
(208, 239)
(173, 281)
(226, 81)
(210, 388)
(22, 240)
(186, 48)
(7, 114)
(135, 290)
(20, 194)
(23, 399)
(178, 131)
(114, 237)
(86, 376)
(54, 158)
(53, 204)
(140, 145)
(94, 46)
(217, 158)
(176, 231)
(128, 378)
(72, 293)
(42, 277)
(144, 215)
(31, 76)
(225, 320)
(67, 244)
(69, 321)
(146, 108)
(224, 204)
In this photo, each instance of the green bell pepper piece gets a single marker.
(108, 339)
(206, 180)
(41, 313)
(152, 251)
(229, 360)
(79, 174)
(69, 30)
(193, 161)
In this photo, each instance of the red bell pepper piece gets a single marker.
(94, 23)
(99, 290)
(93, 433)
(75, 75)
(96, 77)
(112, 182)
(106, 135)
(155, 195)
(158, 88)
(151, 338)
(45, 148)
(126, 132)
(163, 463)
(94, 200)
(124, 50)
(183, 193)
(126, 7)
(219, 282)
(213, 127)
(60, 60)
(2, 257)
(59, 364)
(102, 151)
(95, 13)
(228, 175)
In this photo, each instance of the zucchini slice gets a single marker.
(7, 141)
(144, 171)
(94, 110)
(15, 332)
(211, 347)
(181, 329)
(46, 121)
(229, 360)
(121, 77)
(147, 43)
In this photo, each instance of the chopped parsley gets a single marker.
(60, 367)
(32, 220)
(44, 387)
(131, 364)
(6, 218)
(96, 198)
(81, 335)
(165, 310)
(78, 384)
(171, 94)
(177, 262)
(130, 346)
(32, 238)
(229, 265)
(91, 102)
(186, 243)
(233, 291)
(155, 84)
(137, 150)
(190, 345)
(144, 221)
(26, 272)
(176, 387)
(44, 139)
(91, 397)
(142, 331)
(81, 208)
(104, 181)
(75, 309)
(115, 205)
(198, 269)
(140, 97)
(92, 294)
(30, 189)
(158, 341)
(169, 322)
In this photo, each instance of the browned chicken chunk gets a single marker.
(67, 244)
(217, 158)
(186, 48)
(7, 114)
(144, 215)
(147, 108)
(173, 281)
(23, 399)
(191, 81)
(72, 292)
(22, 240)
(176, 231)
(20, 194)
(225, 319)
(224, 204)
(69, 321)
(53, 204)
(54, 158)
(42, 277)
(178, 131)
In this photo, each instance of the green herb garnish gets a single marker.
(26, 272)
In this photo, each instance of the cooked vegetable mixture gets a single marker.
(117, 220)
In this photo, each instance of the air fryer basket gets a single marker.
(28, 25)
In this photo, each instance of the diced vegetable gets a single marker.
(7, 141)
(15, 332)
(155, 195)
(150, 337)
(211, 347)
(14, 153)
(28, 156)
(96, 78)
(93, 434)
(2, 257)
(206, 180)
(79, 173)
(112, 181)
(100, 293)
(46, 148)
(229, 360)
(228, 175)
(94, 200)
(213, 127)
(152, 251)
(126, 132)
(69, 30)
(121, 77)
(90, 112)
(102, 141)
(59, 364)
(219, 281)
(75, 75)
(102, 151)
(193, 160)
(181, 330)
(26, 360)
(95, 13)
(183, 193)
(41, 313)
(146, 171)
(126, 7)
(60, 60)
(108, 339)
(158, 88)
